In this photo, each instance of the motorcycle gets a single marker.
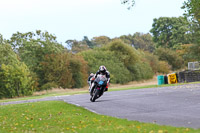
(99, 86)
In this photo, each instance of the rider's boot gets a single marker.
(106, 89)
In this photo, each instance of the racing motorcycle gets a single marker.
(99, 86)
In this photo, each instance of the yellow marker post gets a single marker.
(172, 79)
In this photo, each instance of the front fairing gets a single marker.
(101, 80)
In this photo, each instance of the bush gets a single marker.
(15, 77)
(126, 54)
(66, 70)
(7, 55)
(15, 80)
(171, 57)
(163, 67)
(140, 71)
(123, 61)
(79, 70)
(132, 60)
(156, 65)
(49, 86)
(98, 57)
(55, 68)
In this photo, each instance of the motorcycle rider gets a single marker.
(102, 70)
(90, 80)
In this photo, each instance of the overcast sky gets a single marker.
(73, 19)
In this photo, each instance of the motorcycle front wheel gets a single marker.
(95, 95)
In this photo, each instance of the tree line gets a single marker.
(35, 61)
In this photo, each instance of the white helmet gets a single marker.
(102, 69)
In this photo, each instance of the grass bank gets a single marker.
(60, 117)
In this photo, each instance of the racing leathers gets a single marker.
(107, 74)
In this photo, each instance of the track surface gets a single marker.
(176, 105)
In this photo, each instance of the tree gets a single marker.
(143, 42)
(32, 48)
(76, 46)
(1, 39)
(64, 70)
(156, 65)
(127, 54)
(139, 41)
(192, 9)
(128, 39)
(130, 3)
(98, 57)
(171, 32)
(101, 40)
(192, 53)
(16, 80)
(131, 59)
(171, 57)
(56, 70)
(89, 43)
(15, 77)
(7, 55)
(43, 39)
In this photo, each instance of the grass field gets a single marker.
(60, 117)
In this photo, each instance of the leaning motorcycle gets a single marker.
(99, 86)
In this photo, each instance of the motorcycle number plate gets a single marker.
(101, 82)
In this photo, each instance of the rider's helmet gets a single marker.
(91, 74)
(102, 69)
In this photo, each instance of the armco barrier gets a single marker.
(188, 76)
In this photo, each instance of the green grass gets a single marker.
(151, 86)
(86, 91)
(43, 96)
(58, 117)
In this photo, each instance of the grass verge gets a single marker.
(60, 117)
(42, 96)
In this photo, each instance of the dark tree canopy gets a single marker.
(139, 41)
(170, 32)
(192, 12)
(192, 9)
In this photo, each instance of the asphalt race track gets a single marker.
(175, 106)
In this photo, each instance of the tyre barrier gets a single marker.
(180, 77)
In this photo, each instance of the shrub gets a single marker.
(15, 77)
(171, 57)
(132, 60)
(126, 54)
(15, 80)
(98, 57)
(163, 67)
(49, 86)
(79, 70)
(66, 70)
(55, 69)
(140, 71)
(156, 65)
(123, 61)
(7, 55)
